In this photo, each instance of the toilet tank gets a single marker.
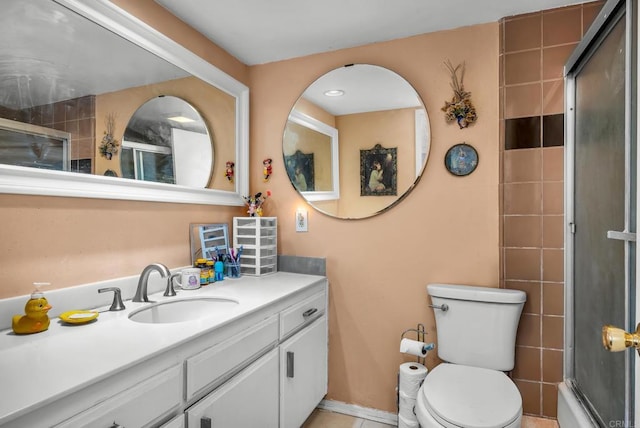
(479, 328)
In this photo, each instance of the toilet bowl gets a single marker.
(455, 396)
(476, 328)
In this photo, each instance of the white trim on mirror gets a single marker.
(321, 127)
(423, 139)
(31, 181)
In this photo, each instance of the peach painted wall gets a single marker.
(70, 241)
(446, 230)
(310, 109)
(161, 19)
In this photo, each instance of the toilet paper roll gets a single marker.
(404, 423)
(413, 347)
(410, 379)
(406, 407)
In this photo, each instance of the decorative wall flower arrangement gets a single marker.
(109, 145)
(460, 108)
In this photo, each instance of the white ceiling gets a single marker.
(366, 88)
(262, 31)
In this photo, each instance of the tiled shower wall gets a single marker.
(78, 117)
(534, 48)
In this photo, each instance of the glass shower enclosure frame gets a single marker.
(599, 388)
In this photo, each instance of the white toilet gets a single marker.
(476, 338)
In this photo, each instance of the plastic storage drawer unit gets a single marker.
(259, 239)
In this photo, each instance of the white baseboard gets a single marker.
(359, 411)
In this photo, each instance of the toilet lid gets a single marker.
(471, 397)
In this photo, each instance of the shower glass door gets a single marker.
(601, 217)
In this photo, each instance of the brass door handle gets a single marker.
(615, 339)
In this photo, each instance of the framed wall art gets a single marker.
(300, 168)
(378, 171)
(461, 159)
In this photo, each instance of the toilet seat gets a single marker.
(470, 397)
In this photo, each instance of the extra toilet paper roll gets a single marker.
(411, 377)
(404, 423)
(406, 407)
(413, 347)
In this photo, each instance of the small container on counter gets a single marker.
(212, 274)
(204, 271)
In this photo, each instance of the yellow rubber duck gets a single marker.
(35, 319)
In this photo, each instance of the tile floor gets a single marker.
(326, 419)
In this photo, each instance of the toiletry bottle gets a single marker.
(218, 267)
(35, 318)
(204, 271)
(212, 274)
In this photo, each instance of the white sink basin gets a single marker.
(181, 310)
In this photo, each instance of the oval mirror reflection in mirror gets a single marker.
(356, 141)
(167, 141)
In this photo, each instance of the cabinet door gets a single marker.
(139, 406)
(303, 369)
(248, 400)
(177, 422)
(210, 366)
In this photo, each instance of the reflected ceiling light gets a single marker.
(181, 119)
(334, 93)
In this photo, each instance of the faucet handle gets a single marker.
(170, 291)
(117, 304)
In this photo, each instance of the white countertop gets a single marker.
(39, 368)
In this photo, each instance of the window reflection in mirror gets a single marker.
(376, 106)
(34, 146)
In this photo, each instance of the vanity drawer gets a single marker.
(214, 365)
(147, 402)
(291, 319)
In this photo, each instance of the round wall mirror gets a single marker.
(167, 141)
(356, 141)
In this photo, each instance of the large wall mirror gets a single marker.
(356, 141)
(95, 103)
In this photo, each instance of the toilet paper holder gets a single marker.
(420, 336)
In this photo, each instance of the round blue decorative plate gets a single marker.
(461, 159)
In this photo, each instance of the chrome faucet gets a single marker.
(141, 292)
(170, 291)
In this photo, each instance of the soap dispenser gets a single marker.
(35, 319)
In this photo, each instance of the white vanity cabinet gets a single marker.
(265, 367)
(177, 422)
(214, 365)
(248, 400)
(281, 388)
(303, 359)
(144, 404)
(303, 373)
